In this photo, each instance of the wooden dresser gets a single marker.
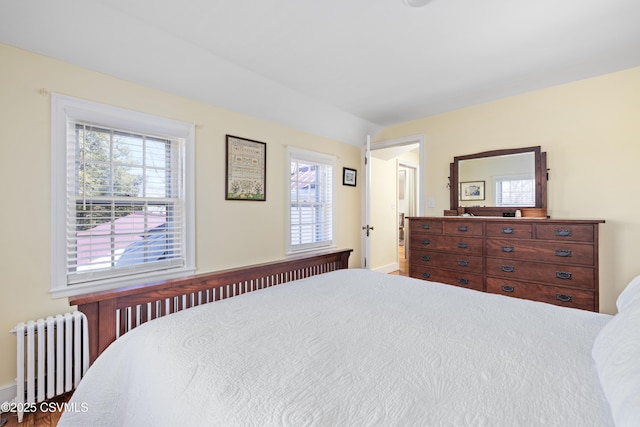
(554, 261)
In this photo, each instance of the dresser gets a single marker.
(554, 261)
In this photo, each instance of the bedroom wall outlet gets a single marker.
(431, 203)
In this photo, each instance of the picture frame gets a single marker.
(246, 169)
(349, 176)
(472, 190)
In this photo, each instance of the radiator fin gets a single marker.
(52, 357)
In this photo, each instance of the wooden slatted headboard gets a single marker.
(112, 313)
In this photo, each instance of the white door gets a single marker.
(367, 229)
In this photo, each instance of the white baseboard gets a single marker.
(8, 393)
(387, 268)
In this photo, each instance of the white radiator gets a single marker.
(53, 355)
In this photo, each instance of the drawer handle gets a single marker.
(425, 258)
(563, 232)
(426, 242)
(563, 253)
(426, 226)
(463, 263)
(508, 268)
(426, 274)
(564, 275)
(462, 245)
(508, 230)
(509, 289)
(508, 249)
(463, 281)
(564, 298)
(463, 228)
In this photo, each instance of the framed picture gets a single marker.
(349, 177)
(246, 169)
(472, 190)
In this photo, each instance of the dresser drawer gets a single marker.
(460, 262)
(454, 244)
(425, 226)
(450, 277)
(553, 274)
(464, 228)
(510, 229)
(565, 253)
(574, 298)
(549, 260)
(574, 233)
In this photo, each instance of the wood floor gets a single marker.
(403, 264)
(40, 418)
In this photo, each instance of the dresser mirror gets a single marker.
(493, 183)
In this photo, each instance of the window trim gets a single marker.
(312, 156)
(65, 108)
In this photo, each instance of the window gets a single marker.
(311, 207)
(515, 191)
(122, 197)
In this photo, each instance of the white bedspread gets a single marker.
(352, 348)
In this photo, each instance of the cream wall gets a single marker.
(590, 130)
(229, 233)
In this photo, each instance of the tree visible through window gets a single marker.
(124, 199)
(122, 214)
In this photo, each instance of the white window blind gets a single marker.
(126, 215)
(515, 191)
(124, 204)
(311, 200)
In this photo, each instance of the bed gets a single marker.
(355, 347)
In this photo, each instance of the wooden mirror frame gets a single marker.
(540, 170)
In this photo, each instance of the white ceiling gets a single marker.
(338, 68)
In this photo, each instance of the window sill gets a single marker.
(311, 250)
(103, 285)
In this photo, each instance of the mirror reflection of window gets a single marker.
(515, 191)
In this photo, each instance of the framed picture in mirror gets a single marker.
(472, 190)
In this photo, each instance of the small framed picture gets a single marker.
(349, 177)
(472, 190)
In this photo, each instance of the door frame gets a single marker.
(366, 188)
(416, 169)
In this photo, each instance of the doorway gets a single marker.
(390, 162)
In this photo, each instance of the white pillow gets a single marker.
(616, 352)
(630, 294)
